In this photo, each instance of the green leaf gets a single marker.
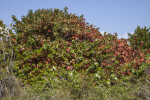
(108, 81)
(72, 51)
(50, 56)
(133, 70)
(96, 63)
(44, 46)
(40, 64)
(112, 75)
(97, 75)
(54, 68)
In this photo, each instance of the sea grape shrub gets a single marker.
(46, 25)
(36, 31)
(110, 59)
(50, 42)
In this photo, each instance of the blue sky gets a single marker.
(121, 16)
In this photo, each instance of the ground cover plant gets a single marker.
(57, 51)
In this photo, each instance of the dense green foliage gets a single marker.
(48, 43)
(140, 38)
(55, 49)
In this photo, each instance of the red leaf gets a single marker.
(69, 68)
(67, 50)
(13, 40)
(49, 31)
